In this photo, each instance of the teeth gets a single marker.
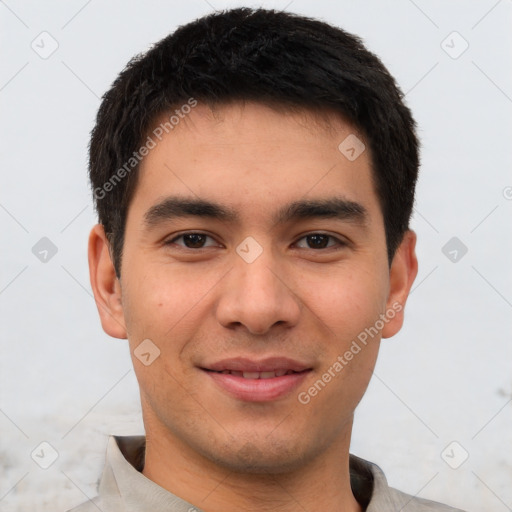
(258, 375)
(251, 375)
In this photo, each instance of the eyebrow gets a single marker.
(179, 207)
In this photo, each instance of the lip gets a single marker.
(262, 389)
(243, 364)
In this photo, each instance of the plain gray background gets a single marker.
(442, 389)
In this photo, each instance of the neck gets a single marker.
(323, 483)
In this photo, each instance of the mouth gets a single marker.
(257, 381)
(256, 375)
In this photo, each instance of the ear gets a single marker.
(404, 269)
(105, 284)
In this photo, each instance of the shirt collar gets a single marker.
(124, 487)
(122, 484)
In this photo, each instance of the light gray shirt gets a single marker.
(123, 488)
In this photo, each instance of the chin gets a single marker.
(260, 458)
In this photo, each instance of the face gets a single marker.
(255, 263)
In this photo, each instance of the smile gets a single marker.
(257, 381)
(257, 375)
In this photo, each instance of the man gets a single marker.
(254, 176)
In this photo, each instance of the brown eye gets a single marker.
(192, 241)
(318, 241)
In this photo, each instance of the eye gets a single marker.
(192, 241)
(319, 241)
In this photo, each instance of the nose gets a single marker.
(257, 296)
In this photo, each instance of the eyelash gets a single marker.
(339, 243)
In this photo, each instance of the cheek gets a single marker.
(346, 309)
(159, 305)
(164, 303)
(157, 297)
(345, 302)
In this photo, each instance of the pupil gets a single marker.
(318, 241)
(194, 240)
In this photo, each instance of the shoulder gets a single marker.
(408, 503)
(371, 489)
(89, 506)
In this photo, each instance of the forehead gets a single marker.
(253, 157)
(249, 123)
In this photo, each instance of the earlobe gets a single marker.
(105, 284)
(404, 269)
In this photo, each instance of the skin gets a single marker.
(295, 300)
